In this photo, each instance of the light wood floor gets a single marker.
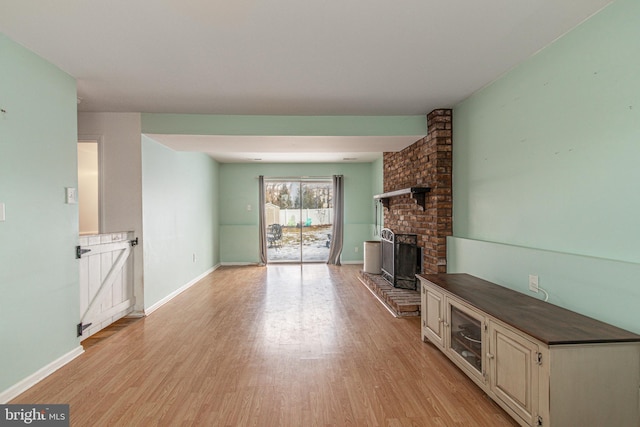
(283, 345)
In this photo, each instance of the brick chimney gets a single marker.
(426, 163)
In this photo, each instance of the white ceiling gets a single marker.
(296, 149)
(286, 57)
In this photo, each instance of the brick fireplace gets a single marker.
(426, 163)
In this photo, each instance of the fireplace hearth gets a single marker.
(401, 259)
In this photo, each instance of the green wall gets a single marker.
(39, 279)
(546, 158)
(239, 188)
(180, 218)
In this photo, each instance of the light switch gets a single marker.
(2, 212)
(72, 195)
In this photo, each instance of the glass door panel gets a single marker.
(466, 337)
(317, 215)
(282, 214)
(298, 220)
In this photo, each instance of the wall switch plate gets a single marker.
(2, 217)
(71, 195)
(533, 283)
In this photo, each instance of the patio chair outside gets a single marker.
(274, 235)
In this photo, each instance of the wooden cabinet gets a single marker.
(433, 315)
(545, 365)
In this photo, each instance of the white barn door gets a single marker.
(106, 280)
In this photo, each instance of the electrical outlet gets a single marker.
(533, 283)
(355, 249)
(195, 258)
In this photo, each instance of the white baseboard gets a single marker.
(352, 262)
(163, 301)
(13, 391)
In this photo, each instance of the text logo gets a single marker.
(34, 415)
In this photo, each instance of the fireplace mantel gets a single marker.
(417, 193)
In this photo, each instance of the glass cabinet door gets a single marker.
(466, 339)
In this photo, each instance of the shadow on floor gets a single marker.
(109, 331)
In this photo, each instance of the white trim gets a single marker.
(352, 262)
(163, 301)
(22, 386)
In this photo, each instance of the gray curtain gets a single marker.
(262, 229)
(337, 233)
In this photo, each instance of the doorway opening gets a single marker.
(299, 219)
(89, 187)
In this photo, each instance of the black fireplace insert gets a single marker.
(401, 259)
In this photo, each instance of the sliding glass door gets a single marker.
(299, 218)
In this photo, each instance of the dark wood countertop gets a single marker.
(546, 322)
